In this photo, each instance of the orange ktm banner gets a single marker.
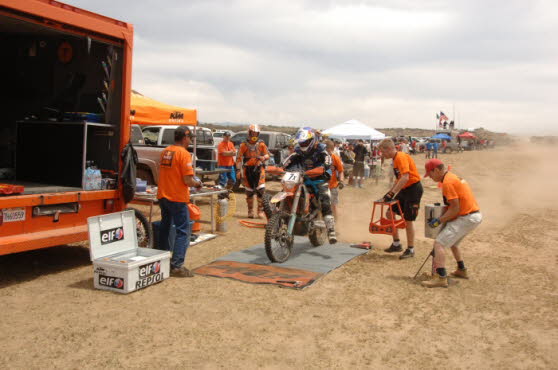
(146, 111)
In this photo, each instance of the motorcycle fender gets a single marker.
(279, 197)
(320, 224)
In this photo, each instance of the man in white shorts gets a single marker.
(461, 217)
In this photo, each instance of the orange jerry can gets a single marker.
(195, 215)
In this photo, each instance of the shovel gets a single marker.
(421, 266)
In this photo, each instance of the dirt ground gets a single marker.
(368, 313)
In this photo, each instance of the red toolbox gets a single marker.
(8, 189)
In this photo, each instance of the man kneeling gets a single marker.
(461, 217)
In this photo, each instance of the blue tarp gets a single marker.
(304, 256)
(442, 136)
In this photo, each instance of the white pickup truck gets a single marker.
(156, 138)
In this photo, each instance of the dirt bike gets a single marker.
(294, 211)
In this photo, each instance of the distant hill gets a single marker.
(550, 140)
(244, 126)
(481, 133)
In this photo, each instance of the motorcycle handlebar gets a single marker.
(274, 170)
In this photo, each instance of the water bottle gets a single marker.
(93, 177)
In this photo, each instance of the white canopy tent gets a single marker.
(353, 130)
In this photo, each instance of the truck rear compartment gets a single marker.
(52, 122)
(38, 188)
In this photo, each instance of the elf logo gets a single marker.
(112, 235)
(150, 269)
(111, 282)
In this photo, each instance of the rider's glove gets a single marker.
(435, 222)
(389, 196)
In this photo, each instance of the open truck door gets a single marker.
(65, 99)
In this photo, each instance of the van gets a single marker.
(65, 103)
(276, 143)
(157, 138)
(136, 136)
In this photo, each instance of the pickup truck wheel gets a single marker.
(144, 230)
(145, 174)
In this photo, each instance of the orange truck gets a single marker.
(65, 105)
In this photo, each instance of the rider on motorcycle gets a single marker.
(311, 156)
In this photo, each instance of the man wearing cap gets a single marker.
(460, 218)
(176, 176)
(225, 159)
(407, 190)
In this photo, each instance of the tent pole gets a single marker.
(195, 147)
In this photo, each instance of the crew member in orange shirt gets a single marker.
(407, 190)
(176, 176)
(461, 217)
(250, 162)
(225, 159)
(337, 176)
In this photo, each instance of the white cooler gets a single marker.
(119, 265)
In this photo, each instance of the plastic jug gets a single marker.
(431, 211)
(92, 178)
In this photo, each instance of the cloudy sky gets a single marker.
(387, 63)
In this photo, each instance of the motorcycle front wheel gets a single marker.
(278, 242)
(317, 237)
(268, 208)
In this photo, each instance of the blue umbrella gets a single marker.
(442, 136)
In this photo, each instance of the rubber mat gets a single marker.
(304, 267)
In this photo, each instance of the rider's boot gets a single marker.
(330, 226)
(250, 204)
(261, 213)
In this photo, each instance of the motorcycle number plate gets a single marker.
(291, 177)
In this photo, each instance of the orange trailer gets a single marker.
(65, 108)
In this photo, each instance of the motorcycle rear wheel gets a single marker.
(278, 243)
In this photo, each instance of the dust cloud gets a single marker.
(509, 181)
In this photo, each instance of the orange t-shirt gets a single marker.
(453, 187)
(337, 167)
(223, 160)
(176, 162)
(402, 164)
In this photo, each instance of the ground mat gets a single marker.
(306, 264)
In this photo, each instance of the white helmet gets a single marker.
(253, 133)
(306, 138)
